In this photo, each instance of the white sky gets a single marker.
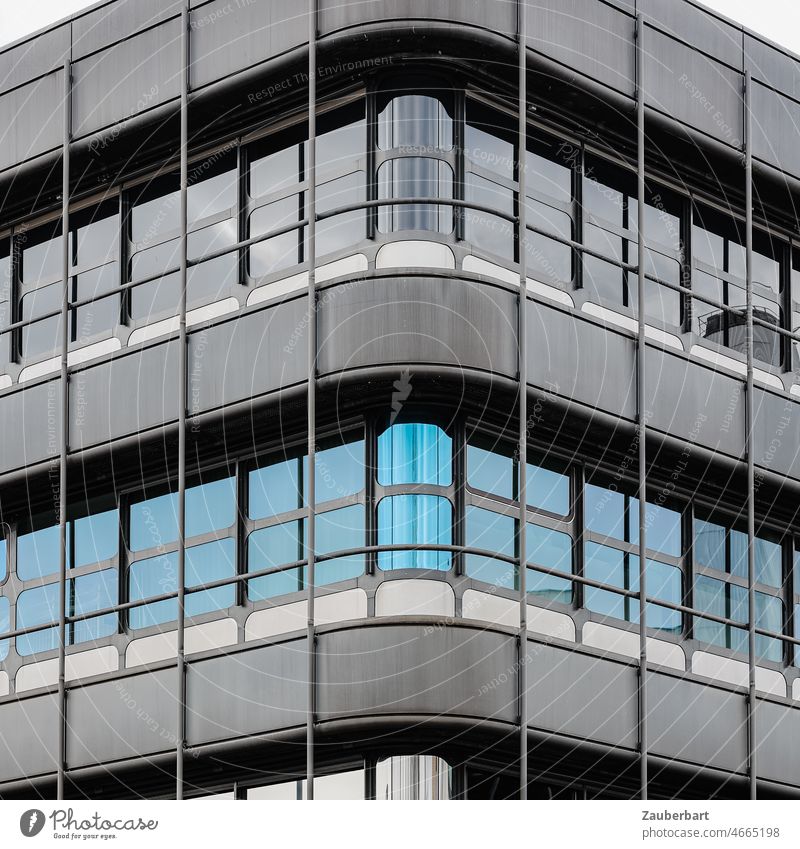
(776, 19)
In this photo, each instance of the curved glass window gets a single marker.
(415, 120)
(415, 520)
(279, 545)
(158, 575)
(5, 625)
(412, 177)
(3, 561)
(414, 452)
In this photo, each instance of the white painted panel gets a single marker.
(154, 330)
(5, 381)
(198, 638)
(415, 597)
(278, 288)
(736, 672)
(285, 618)
(4, 683)
(796, 689)
(619, 641)
(348, 265)
(536, 287)
(415, 253)
(211, 311)
(79, 665)
(505, 611)
(490, 269)
(80, 355)
(717, 359)
(669, 340)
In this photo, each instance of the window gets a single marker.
(414, 452)
(720, 274)
(5, 625)
(153, 545)
(6, 294)
(41, 289)
(416, 121)
(155, 237)
(611, 556)
(610, 208)
(415, 520)
(336, 786)
(720, 587)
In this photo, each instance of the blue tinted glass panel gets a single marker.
(96, 538)
(414, 453)
(35, 607)
(271, 547)
(209, 507)
(95, 591)
(738, 558)
(604, 511)
(721, 599)
(338, 530)
(3, 560)
(664, 582)
(797, 634)
(553, 550)
(769, 616)
(768, 562)
(339, 471)
(709, 545)
(276, 489)
(415, 520)
(5, 626)
(606, 565)
(491, 532)
(490, 472)
(663, 528)
(547, 490)
(157, 575)
(38, 553)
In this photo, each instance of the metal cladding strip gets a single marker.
(751, 521)
(182, 400)
(312, 376)
(522, 641)
(641, 348)
(64, 447)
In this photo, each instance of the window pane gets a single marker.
(549, 177)
(414, 452)
(768, 562)
(276, 489)
(607, 565)
(5, 626)
(663, 527)
(415, 177)
(35, 607)
(340, 471)
(769, 616)
(490, 472)
(414, 120)
(96, 591)
(341, 138)
(338, 530)
(664, 582)
(158, 575)
(415, 520)
(209, 507)
(547, 490)
(738, 555)
(96, 538)
(41, 337)
(489, 232)
(281, 251)
(553, 550)
(275, 171)
(38, 553)
(709, 545)
(3, 560)
(721, 599)
(349, 228)
(491, 532)
(101, 315)
(604, 511)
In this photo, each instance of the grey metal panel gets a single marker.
(29, 741)
(689, 86)
(125, 718)
(30, 421)
(771, 66)
(34, 58)
(696, 723)
(118, 20)
(498, 16)
(127, 78)
(778, 735)
(227, 37)
(581, 695)
(696, 403)
(589, 36)
(255, 691)
(416, 669)
(776, 433)
(696, 27)
(776, 124)
(417, 319)
(31, 119)
(581, 361)
(246, 357)
(124, 395)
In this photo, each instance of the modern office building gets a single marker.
(265, 331)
